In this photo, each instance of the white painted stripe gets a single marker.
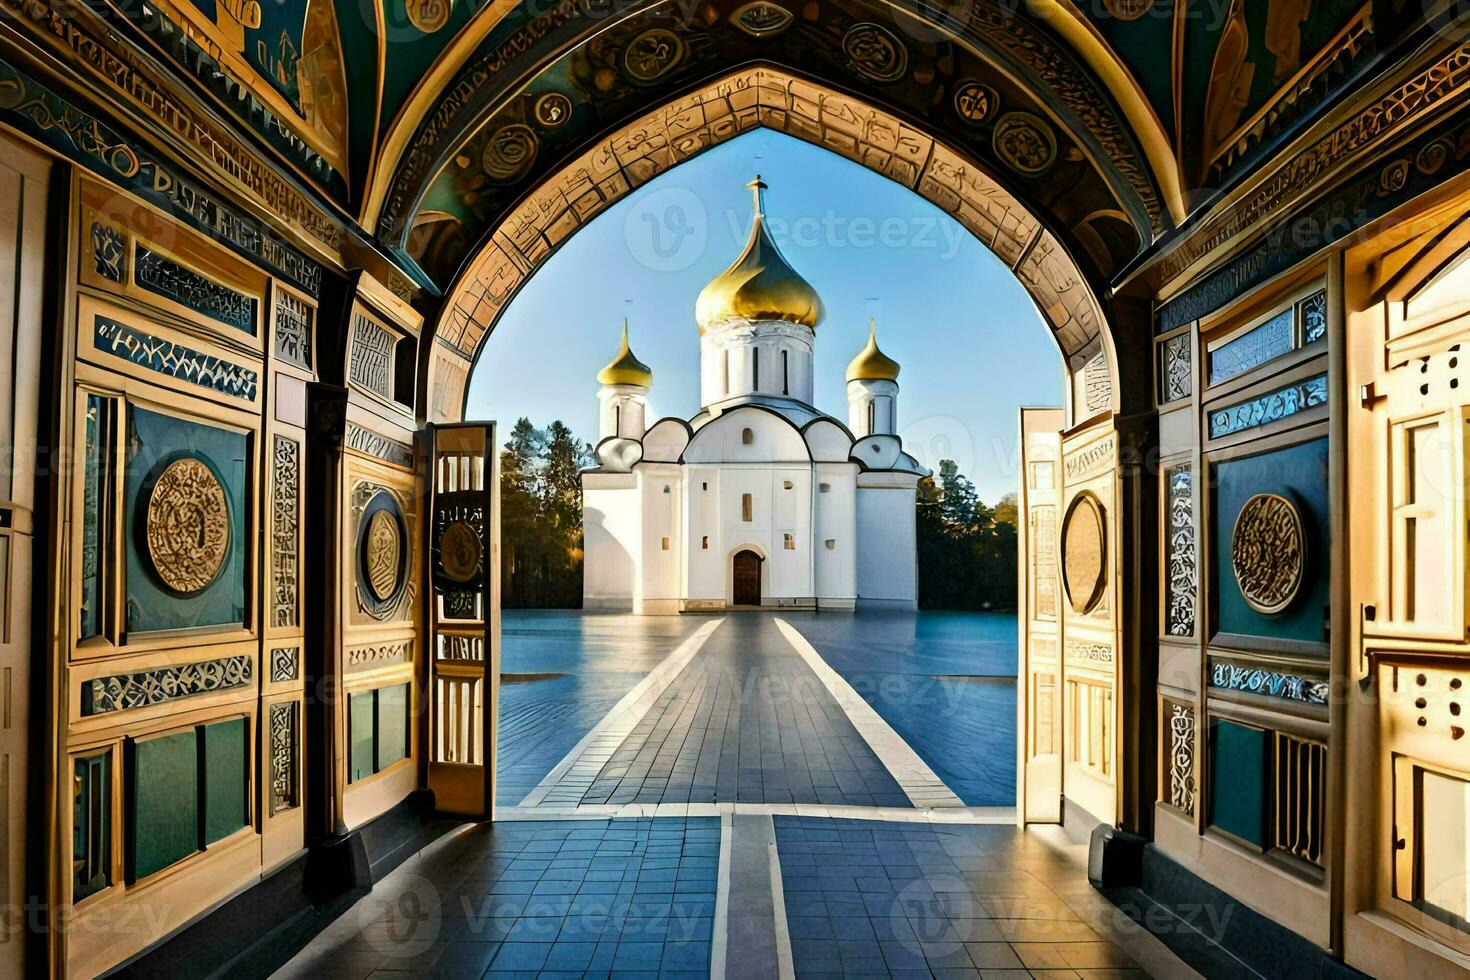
(569, 781)
(911, 772)
(785, 962)
(721, 936)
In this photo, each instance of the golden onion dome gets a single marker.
(872, 364)
(760, 284)
(625, 369)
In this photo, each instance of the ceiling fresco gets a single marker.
(1147, 106)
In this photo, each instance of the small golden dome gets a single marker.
(760, 284)
(626, 369)
(872, 364)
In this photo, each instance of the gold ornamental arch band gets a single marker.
(766, 97)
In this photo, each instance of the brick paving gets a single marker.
(746, 722)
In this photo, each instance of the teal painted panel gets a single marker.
(1238, 761)
(1298, 473)
(163, 803)
(154, 441)
(392, 725)
(226, 808)
(360, 722)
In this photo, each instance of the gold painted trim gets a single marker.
(421, 101)
(1147, 129)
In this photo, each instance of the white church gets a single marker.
(759, 499)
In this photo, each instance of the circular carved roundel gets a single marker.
(1025, 143)
(875, 51)
(1084, 553)
(382, 555)
(459, 552)
(187, 526)
(1268, 552)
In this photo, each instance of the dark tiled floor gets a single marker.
(874, 898)
(572, 898)
(562, 671)
(746, 722)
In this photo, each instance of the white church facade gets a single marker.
(759, 499)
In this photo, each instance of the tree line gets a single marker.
(966, 548)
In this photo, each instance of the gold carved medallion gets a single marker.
(459, 552)
(187, 526)
(428, 15)
(1084, 553)
(1268, 552)
(1025, 143)
(380, 555)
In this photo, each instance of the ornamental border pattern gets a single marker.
(285, 525)
(1267, 683)
(164, 277)
(283, 726)
(1181, 561)
(1273, 406)
(388, 450)
(173, 360)
(145, 688)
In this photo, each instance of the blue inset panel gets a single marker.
(1270, 407)
(1252, 349)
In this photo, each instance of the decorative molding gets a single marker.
(388, 450)
(383, 560)
(283, 756)
(1093, 459)
(174, 360)
(92, 46)
(371, 363)
(109, 252)
(293, 329)
(1176, 368)
(285, 528)
(96, 146)
(1262, 343)
(285, 664)
(1089, 653)
(1181, 568)
(1097, 383)
(1270, 407)
(1179, 728)
(1353, 138)
(1268, 683)
(159, 274)
(144, 688)
(1312, 312)
(380, 654)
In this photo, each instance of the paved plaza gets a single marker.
(750, 795)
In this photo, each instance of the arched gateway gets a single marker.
(248, 548)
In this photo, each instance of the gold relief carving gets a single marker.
(1268, 552)
(552, 110)
(428, 15)
(653, 54)
(1089, 653)
(187, 526)
(974, 102)
(1128, 9)
(459, 552)
(381, 547)
(378, 654)
(1024, 143)
(762, 19)
(1084, 553)
(509, 152)
(873, 50)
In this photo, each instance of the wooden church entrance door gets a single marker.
(747, 578)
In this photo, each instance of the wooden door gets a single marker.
(464, 670)
(1407, 298)
(747, 579)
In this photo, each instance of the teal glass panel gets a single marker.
(392, 725)
(1255, 347)
(154, 441)
(91, 825)
(226, 809)
(1270, 407)
(362, 756)
(94, 469)
(1298, 473)
(163, 803)
(1238, 760)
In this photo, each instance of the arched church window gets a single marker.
(872, 417)
(747, 437)
(617, 420)
(785, 372)
(755, 369)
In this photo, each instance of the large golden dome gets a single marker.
(760, 284)
(872, 364)
(625, 369)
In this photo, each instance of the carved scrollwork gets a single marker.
(1268, 551)
(187, 526)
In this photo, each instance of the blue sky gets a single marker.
(970, 340)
